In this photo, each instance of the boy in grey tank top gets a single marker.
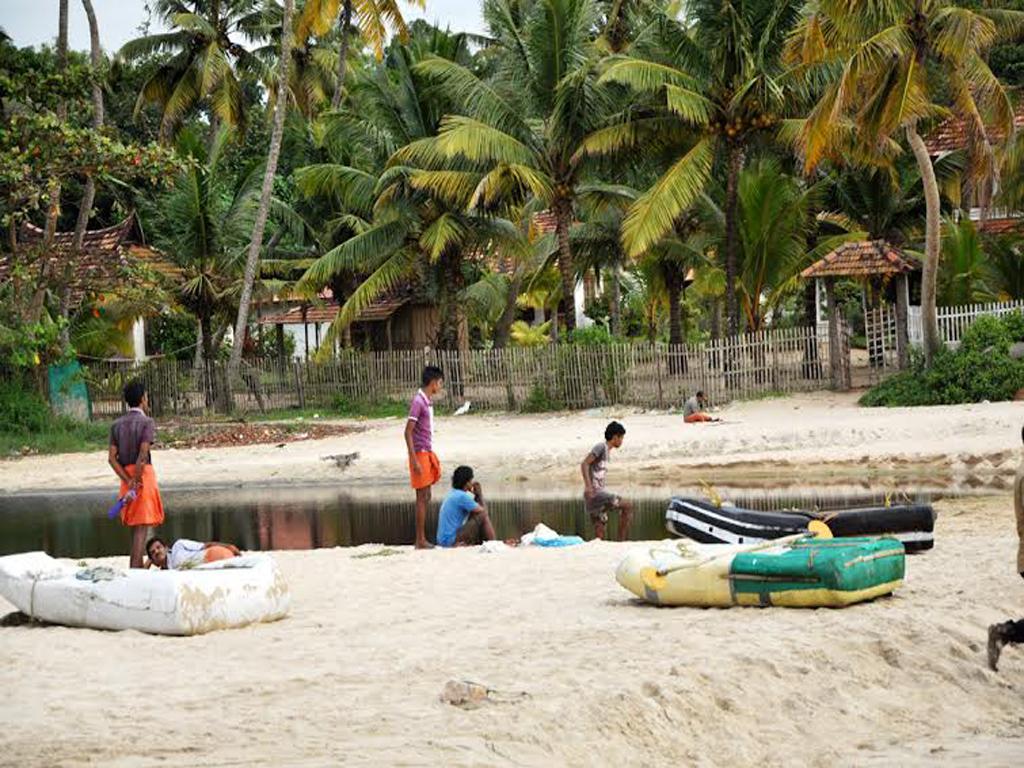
(597, 497)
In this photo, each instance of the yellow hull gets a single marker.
(684, 573)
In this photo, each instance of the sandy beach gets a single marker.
(582, 673)
(820, 434)
(354, 675)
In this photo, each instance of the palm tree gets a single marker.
(311, 71)
(779, 219)
(89, 192)
(375, 18)
(203, 224)
(525, 127)
(1006, 256)
(256, 240)
(893, 62)
(207, 59)
(394, 231)
(965, 275)
(714, 83)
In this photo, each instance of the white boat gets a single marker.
(219, 595)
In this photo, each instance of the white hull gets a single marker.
(221, 595)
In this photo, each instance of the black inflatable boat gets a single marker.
(702, 521)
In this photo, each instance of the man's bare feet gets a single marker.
(996, 641)
(424, 545)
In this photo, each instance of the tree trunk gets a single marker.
(89, 193)
(675, 318)
(902, 323)
(503, 328)
(256, 241)
(736, 157)
(566, 268)
(53, 191)
(834, 346)
(96, 60)
(929, 277)
(674, 283)
(811, 362)
(346, 23)
(614, 310)
(198, 355)
(450, 319)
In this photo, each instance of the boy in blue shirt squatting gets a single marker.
(463, 521)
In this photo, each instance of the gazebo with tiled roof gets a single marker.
(867, 261)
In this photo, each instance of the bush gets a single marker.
(27, 422)
(539, 401)
(593, 335)
(1014, 323)
(980, 369)
(987, 334)
(22, 410)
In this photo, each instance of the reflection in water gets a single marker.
(75, 525)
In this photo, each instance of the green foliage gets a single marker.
(353, 408)
(592, 335)
(26, 422)
(24, 345)
(525, 335)
(171, 333)
(266, 346)
(539, 401)
(979, 369)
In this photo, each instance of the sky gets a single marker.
(34, 22)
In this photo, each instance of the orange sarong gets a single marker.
(217, 552)
(696, 418)
(147, 508)
(430, 470)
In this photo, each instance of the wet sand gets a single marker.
(354, 675)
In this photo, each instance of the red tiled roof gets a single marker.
(949, 135)
(99, 265)
(1001, 226)
(545, 221)
(381, 309)
(863, 259)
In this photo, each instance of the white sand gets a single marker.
(353, 676)
(820, 433)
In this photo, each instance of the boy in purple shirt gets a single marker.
(424, 467)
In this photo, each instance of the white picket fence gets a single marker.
(880, 326)
(953, 321)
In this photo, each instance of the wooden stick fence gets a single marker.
(514, 379)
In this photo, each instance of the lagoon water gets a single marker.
(255, 518)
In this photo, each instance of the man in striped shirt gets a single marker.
(424, 466)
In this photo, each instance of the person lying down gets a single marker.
(186, 553)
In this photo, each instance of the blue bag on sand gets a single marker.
(559, 541)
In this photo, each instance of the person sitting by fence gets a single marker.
(463, 520)
(186, 553)
(131, 437)
(693, 409)
(597, 498)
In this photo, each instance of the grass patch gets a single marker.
(63, 436)
(28, 426)
(341, 408)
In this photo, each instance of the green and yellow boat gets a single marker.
(796, 572)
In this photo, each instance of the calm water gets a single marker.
(75, 525)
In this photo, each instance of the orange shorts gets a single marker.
(217, 552)
(148, 507)
(430, 470)
(696, 418)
